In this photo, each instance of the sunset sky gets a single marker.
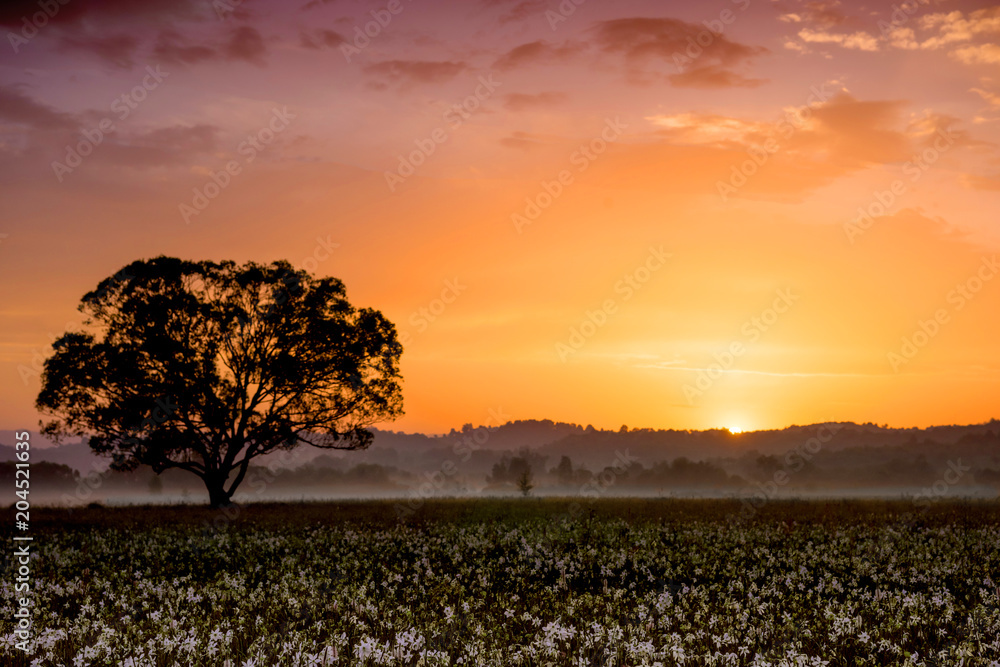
(743, 214)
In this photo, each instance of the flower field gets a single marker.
(514, 582)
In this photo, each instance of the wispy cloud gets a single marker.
(670, 366)
(647, 42)
(406, 72)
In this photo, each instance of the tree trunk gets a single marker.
(217, 496)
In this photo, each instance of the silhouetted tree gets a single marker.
(204, 366)
(564, 471)
(509, 468)
(524, 484)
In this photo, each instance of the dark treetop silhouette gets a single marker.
(204, 366)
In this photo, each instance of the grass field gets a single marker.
(514, 582)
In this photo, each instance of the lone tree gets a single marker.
(524, 484)
(204, 366)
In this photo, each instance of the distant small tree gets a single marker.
(524, 484)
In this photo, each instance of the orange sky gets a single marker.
(646, 213)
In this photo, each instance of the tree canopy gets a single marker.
(204, 366)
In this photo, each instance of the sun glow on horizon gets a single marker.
(737, 425)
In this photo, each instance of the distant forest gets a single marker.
(568, 459)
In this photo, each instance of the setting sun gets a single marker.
(737, 425)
